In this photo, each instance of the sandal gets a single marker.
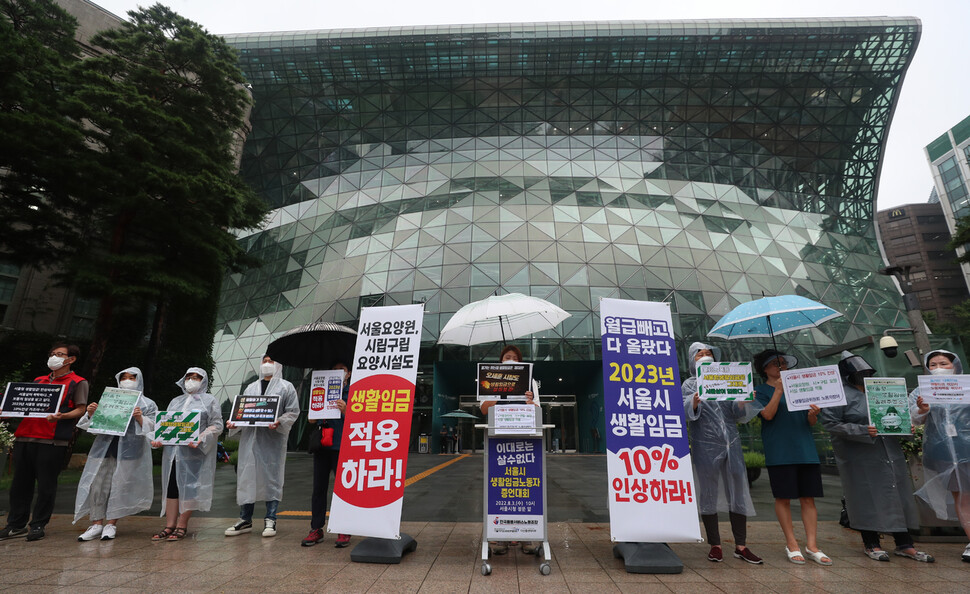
(919, 555)
(823, 559)
(793, 556)
(879, 555)
(177, 534)
(163, 534)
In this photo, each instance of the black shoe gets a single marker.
(36, 533)
(11, 532)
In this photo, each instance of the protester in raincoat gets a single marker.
(715, 448)
(262, 451)
(790, 456)
(872, 468)
(117, 477)
(189, 471)
(946, 447)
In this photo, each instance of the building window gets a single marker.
(9, 274)
(82, 321)
(936, 236)
(930, 220)
(955, 189)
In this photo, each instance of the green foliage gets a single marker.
(913, 447)
(231, 445)
(83, 443)
(754, 460)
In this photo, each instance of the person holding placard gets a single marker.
(117, 477)
(715, 447)
(262, 451)
(40, 446)
(793, 466)
(189, 471)
(946, 447)
(872, 468)
(324, 463)
(512, 354)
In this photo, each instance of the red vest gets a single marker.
(44, 429)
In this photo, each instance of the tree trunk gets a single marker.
(158, 326)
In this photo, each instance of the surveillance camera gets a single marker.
(889, 346)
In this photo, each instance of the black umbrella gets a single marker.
(318, 346)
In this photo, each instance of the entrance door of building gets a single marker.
(558, 410)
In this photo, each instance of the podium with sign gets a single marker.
(515, 480)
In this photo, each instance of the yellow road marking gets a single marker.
(410, 481)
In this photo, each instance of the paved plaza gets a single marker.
(442, 511)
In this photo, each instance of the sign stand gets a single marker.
(383, 550)
(648, 557)
(537, 433)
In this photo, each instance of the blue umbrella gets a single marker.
(769, 316)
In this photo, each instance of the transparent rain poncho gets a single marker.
(132, 490)
(873, 470)
(715, 445)
(262, 451)
(946, 448)
(195, 468)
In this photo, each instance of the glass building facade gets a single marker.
(949, 160)
(700, 163)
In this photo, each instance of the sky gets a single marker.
(935, 94)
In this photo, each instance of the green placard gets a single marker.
(888, 405)
(114, 411)
(177, 428)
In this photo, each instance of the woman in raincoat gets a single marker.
(946, 447)
(872, 468)
(117, 477)
(790, 456)
(715, 448)
(262, 451)
(189, 471)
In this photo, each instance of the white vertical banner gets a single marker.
(651, 484)
(368, 490)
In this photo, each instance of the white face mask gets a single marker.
(267, 369)
(55, 363)
(942, 371)
(127, 384)
(192, 385)
(704, 359)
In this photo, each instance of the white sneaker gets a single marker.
(270, 528)
(93, 531)
(109, 532)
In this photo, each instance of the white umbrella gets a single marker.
(500, 317)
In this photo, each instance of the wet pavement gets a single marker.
(442, 510)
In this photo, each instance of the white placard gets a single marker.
(326, 388)
(725, 381)
(515, 418)
(821, 386)
(945, 389)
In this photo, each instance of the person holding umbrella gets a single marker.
(324, 463)
(872, 468)
(715, 447)
(946, 447)
(790, 456)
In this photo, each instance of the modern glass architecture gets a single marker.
(949, 160)
(700, 163)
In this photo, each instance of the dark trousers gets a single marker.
(40, 463)
(739, 526)
(324, 463)
(870, 539)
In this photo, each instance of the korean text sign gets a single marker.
(326, 388)
(888, 404)
(369, 488)
(725, 381)
(650, 490)
(945, 389)
(508, 381)
(115, 410)
(821, 386)
(255, 411)
(26, 399)
(177, 427)
(515, 490)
